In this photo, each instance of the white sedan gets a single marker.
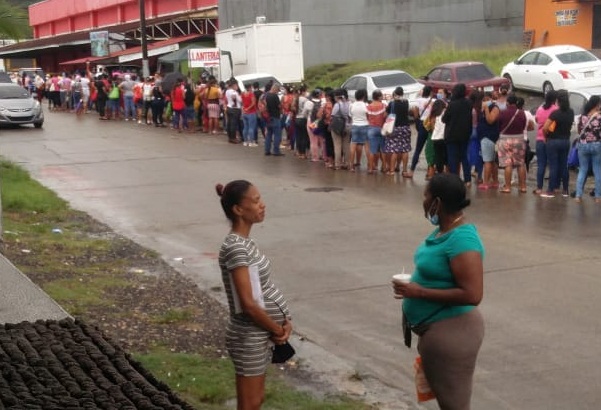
(385, 81)
(553, 68)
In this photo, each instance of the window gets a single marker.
(435, 74)
(543, 59)
(13, 93)
(577, 102)
(575, 57)
(393, 80)
(351, 84)
(474, 72)
(361, 83)
(446, 75)
(529, 59)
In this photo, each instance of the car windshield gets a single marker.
(12, 93)
(473, 73)
(575, 57)
(262, 81)
(393, 80)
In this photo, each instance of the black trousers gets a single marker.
(302, 136)
(158, 106)
(101, 106)
(440, 155)
(233, 122)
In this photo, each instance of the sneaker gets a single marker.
(483, 187)
(547, 195)
(245, 144)
(253, 144)
(139, 121)
(127, 119)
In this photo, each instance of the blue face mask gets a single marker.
(440, 96)
(434, 219)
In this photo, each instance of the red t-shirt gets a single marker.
(247, 103)
(177, 99)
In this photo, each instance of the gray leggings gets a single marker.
(449, 349)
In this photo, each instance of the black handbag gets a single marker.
(337, 124)
(282, 353)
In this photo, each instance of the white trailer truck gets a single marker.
(275, 48)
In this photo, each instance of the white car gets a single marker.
(385, 81)
(578, 99)
(553, 68)
(261, 78)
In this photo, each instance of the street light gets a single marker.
(145, 68)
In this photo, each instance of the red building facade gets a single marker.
(62, 28)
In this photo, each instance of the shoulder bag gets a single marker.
(388, 126)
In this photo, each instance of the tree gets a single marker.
(14, 22)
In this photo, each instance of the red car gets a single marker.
(473, 74)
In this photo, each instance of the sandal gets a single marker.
(407, 174)
(523, 190)
(505, 190)
(537, 191)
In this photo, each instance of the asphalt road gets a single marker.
(334, 252)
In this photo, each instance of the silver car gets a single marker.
(18, 107)
(385, 81)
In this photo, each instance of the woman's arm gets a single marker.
(241, 278)
(468, 272)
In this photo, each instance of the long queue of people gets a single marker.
(473, 135)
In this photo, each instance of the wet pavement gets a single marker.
(334, 250)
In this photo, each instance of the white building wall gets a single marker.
(345, 30)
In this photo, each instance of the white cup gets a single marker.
(402, 278)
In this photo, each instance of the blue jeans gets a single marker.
(589, 154)
(250, 126)
(541, 163)
(274, 131)
(557, 158)
(376, 141)
(422, 137)
(457, 154)
(129, 106)
(178, 116)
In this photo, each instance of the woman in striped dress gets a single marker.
(259, 313)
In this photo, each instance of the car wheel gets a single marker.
(547, 86)
(38, 125)
(508, 77)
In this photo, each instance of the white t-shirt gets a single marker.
(529, 118)
(85, 85)
(358, 112)
(233, 99)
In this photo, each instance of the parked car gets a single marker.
(473, 74)
(554, 67)
(578, 98)
(18, 107)
(385, 81)
(261, 78)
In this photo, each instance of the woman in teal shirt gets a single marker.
(440, 303)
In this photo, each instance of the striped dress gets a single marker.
(248, 345)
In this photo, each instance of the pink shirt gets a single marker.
(541, 117)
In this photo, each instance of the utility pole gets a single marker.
(145, 68)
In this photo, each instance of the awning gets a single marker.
(135, 53)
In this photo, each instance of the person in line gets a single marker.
(300, 123)
(438, 144)
(530, 126)
(589, 147)
(558, 145)
(114, 98)
(158, 102)
(420, 113)
(249, 115)
(274, 123)
(189, 110)
(233, 110)
(178, 105)
(398, 144)
(542, 113)
(360, 126)
(313, 114)
(376, 115)
(341, 139)
(127, 88)
(256, 317)
(511, 146)
(324, 124)
(440, 302)
(211, 98)
(102, 90)
(488, 134)
(474, 151)
(288, 115)
(458, 129)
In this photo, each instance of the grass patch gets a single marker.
(174, 316)
(333, 75)
(209, 384)
(20, 193)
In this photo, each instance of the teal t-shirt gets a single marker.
(433, 270)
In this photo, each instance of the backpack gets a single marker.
(262, 107)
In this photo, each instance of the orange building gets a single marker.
(553, 22)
